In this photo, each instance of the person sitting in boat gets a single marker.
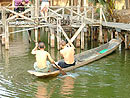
(41, 63)
(67, 53)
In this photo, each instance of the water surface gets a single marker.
(108, 77)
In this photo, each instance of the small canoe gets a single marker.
(84, 58)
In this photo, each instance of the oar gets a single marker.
(61, 71)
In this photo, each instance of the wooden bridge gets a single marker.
(75, 17)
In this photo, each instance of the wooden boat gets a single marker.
(84, 58)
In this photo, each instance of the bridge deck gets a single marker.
(121, 26)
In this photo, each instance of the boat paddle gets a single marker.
(61, 71)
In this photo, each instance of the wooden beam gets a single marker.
(66, 36)
(19, 14)
(55, 11)
(80, 15)
(10, 18)
(77, 32)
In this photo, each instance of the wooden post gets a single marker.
(100, 33)
(92, 33)
(71, 11)
(105, 36)
(95, 33)
(58, 39)
(116, 35)
(78, 7)
(78, 41)
(36, 34)
(52, 37)
(126, 41)
(112, 35)
(51, 2)
(92, 14)
(29, 35)
(36, 15)
(6, 35)
(49, 36)
(82, 39)
(3, 39)
(85, 30)
(3, 28)
(85, 8)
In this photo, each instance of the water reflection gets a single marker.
(67, 86)
(41, 90)
(6, 57)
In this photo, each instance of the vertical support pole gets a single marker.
(92, 33)
(49, 37)
(3, 28)
(100, 33)
(95, 33)
(112, 35)
(92, 14)
(58, 40)
(3, 38)
(39, 30)
(36, 34)
(105, 36)
(51, 3)
(78, 7)
(29, 35)
(82, 39)
(85, 32)
(126, 41)
(85, 8)
(78, 41)
(71, 11)
(52, 37)
(116, 35)
(36, 15)
(6, 35)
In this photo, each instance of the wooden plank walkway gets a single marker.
(121, 26)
